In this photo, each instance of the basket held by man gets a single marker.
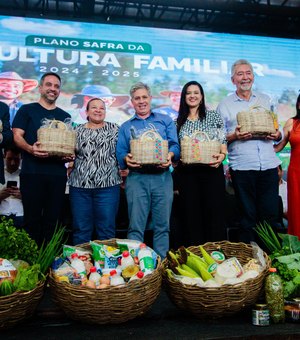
(149, 148)
(259, 121)
(57, 138)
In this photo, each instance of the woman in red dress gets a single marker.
(292, 134)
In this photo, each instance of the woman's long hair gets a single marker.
(184, 109)
(297, 108)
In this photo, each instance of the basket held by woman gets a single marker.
(149, 148)
(57, 138)
(198, 148)
(109, 305)
(220, 301)
(19, 306)
(258, 121)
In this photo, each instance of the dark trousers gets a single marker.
(43, 199)
(257, 194)
(202, 201)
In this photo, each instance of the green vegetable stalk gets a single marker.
(48, 252)
(268, 236)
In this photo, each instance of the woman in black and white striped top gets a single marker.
(95, 180)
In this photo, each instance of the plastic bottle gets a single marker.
(145, 259)
(95, 276)
(139, 275)
(79, 266)
(115, 278)
(126, 260)
(274, 296)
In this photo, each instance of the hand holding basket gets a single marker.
(199, 148)
(258, 121)
(149, 148)
(57, 139)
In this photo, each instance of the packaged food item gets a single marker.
(145, 259)
(218, 256)
(69, 250)
(260, 315)
(95, 276)
(131, 245)
(274, 296)
(98, 254)
(130, 271)
(292, 310)
(83, 254)
(79, 266)
(66, 273)
(126, 260)
(115, 279)
(139, 275)
(7, 270)
(229, 269)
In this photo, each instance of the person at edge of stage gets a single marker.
(43, 177)
(291, 134)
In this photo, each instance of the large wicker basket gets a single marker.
(149, 148)
(19, 306)
(196, 150)
(221, 301)
(258, 121)
(109, 305)
(56, 139)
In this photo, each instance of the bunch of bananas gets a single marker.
(186, 263)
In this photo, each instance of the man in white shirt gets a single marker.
(10, 195)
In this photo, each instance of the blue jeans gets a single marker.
(94, 209)
(150, 193)
(257, 193)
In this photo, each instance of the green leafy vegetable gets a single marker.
(285, 254)
(290, 242)
(16, 243)
(27, 278)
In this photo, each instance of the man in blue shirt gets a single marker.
(253, 162)
(148, 189)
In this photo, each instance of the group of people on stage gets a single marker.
(103, 158)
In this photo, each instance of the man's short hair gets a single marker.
(240, 62)
(139, 86)
(49, 74)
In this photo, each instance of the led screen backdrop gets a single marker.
(108, 59)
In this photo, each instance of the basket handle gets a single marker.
(150, 133)
(57, 123)
(200, 134)
(259, 108)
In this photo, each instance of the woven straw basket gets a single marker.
(56, 139)
(149, 148)
(258, 121)
(109, 305)
(221, 301)
(194, 150)
(19, 306)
